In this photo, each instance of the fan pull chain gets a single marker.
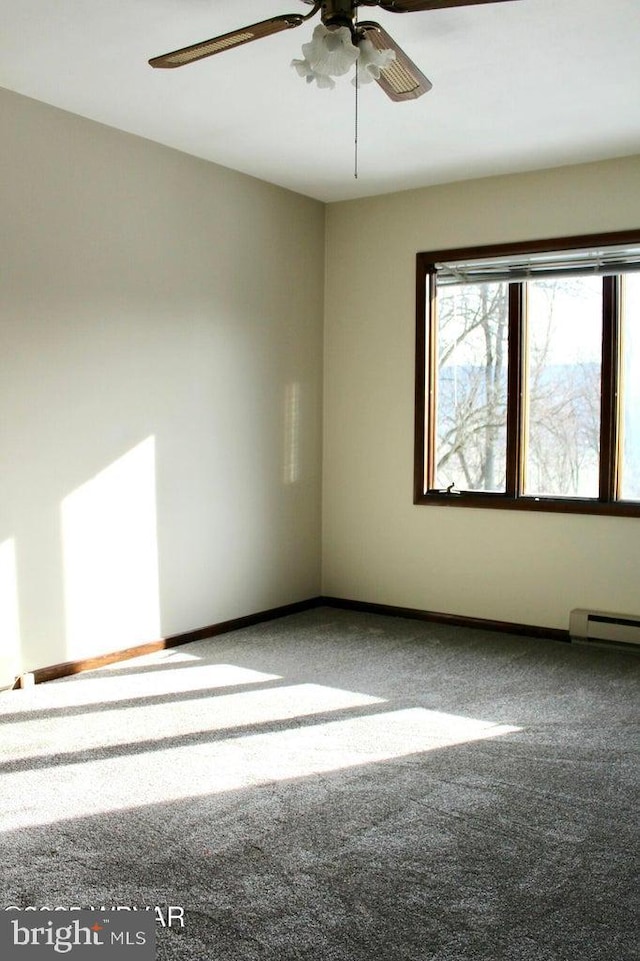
(355, 144)
(355, 159)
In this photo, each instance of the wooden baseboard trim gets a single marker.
(43, 674)
(456, 620)
(238, 623)
(65, 669)
(40, 675)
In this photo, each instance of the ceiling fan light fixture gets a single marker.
(371, 62)
(330, 53)
(305, 70)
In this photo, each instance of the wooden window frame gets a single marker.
(513, 498)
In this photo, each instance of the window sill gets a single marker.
(557, 505)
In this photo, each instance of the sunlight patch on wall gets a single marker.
(173, 774)
(110, 552)
(9, 614)
(291, 468)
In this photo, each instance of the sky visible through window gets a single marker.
(563, 385)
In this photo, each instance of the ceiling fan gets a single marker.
(394, 71)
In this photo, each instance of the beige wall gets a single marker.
(160, 390)
(378, 546)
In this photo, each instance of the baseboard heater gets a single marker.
(605, 629)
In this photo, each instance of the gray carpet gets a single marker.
(337, 787)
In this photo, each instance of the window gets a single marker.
(528, 376)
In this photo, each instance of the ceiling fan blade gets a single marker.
(178, 58)
(401, 80)
(413, 6)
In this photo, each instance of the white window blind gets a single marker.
(600, 261)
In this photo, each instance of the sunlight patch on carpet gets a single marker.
(88, 690)
(97, 786)
(148, 723)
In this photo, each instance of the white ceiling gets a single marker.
(516, 86)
